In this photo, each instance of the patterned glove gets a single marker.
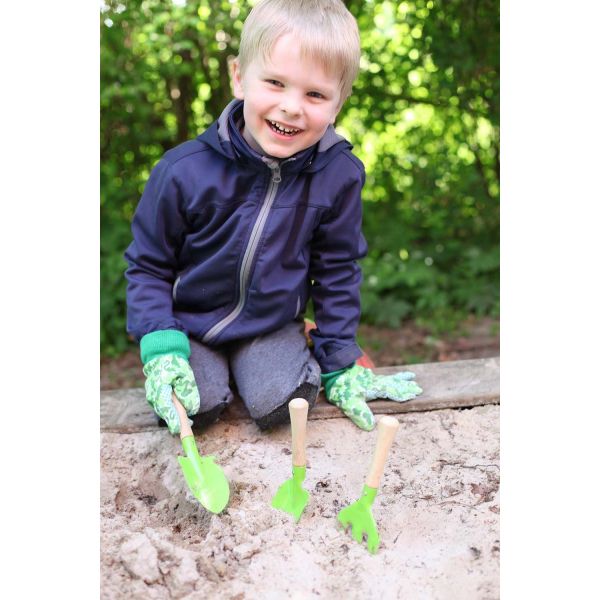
(167, 370)
(166, 374)
(352, 388)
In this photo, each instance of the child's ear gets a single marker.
(236, 78)
(337, 110)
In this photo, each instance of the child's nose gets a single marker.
(291, 106)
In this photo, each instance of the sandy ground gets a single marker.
(437, 512)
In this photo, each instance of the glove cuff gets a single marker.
(167, 341)
(328, 379)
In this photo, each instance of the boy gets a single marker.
(238, 229)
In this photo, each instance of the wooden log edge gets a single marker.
(453, 384)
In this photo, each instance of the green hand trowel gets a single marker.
(205, 479)
(359, 513)
(290, 496)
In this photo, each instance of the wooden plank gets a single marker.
(455, 384)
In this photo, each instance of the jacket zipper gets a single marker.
(250, 252)
(175, 288)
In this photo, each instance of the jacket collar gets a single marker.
(225, 136)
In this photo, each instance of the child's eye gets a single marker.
(274, 82)
(316, 95)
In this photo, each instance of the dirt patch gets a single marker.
(437, 512)
(410, 344)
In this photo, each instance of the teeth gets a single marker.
(282, 128)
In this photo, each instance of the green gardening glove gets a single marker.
(169, 372)
(352, 388)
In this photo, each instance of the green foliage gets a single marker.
(424, 118)
(426, 112)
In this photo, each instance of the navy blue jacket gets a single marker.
(229, 244)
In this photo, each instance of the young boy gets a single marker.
(238, 229)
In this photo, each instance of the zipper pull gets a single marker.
(275, 167)
(276, 175)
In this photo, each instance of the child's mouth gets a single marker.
(281, 130)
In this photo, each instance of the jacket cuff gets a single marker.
(167, 341)
(338, 360)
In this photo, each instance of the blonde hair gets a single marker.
(327, 31)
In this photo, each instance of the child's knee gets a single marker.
(204, 419)
(213, 402)
(281, 413)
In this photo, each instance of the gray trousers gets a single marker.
(268, 371)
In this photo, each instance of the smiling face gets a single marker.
(289, 101)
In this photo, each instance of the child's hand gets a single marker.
(166, 374)
(352, 389)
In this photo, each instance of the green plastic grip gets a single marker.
(368, 495)
(298, 474)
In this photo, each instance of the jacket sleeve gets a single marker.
(337, 245)
(158, 228)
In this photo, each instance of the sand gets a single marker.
(437, 512)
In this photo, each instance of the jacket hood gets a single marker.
(224, 136)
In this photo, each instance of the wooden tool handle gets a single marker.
(186, 430)
(298, 415)
(386, 431)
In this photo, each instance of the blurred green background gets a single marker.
(423, 117)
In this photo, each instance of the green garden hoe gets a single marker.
(290, 496)
(205, 479)
(359, 514)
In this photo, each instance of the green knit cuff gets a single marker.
(328, 379)
(166, 341)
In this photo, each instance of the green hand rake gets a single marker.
(290, 496)
(359, 514)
